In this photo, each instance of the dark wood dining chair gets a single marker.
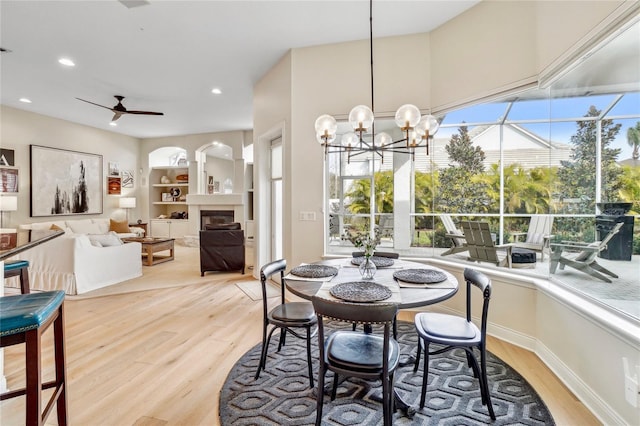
(454, 331)
(287, 317)
(357, 354)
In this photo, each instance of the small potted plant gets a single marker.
(368, 243)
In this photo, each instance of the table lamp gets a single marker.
(8, 203)
(127, 203)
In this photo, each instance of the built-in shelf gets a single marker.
(170, 202)
(157, 207)
(170, 185)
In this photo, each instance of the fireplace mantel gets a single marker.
(197, 202)
(216, 199)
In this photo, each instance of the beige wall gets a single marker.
(481, 51)
(271, 118)
(492, 47)
(330, 80)
(19, 129)
(495, 46)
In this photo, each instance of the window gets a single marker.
(561, 151)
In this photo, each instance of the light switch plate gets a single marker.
(307, 216)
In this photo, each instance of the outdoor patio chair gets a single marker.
(538, 236)
(585, 260)
(481, 246)
(459, 244)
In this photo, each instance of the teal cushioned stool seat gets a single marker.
(23, 319)
(21, 313)
(15, 268)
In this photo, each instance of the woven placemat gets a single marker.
(360, 291)
(314, 271)
(380, 262)
(420, 276)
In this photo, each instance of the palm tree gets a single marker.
(633, 139)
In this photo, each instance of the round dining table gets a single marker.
(411, 295)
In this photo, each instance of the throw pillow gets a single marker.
(119, 227)
(105, 240)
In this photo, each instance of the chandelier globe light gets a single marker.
(417, 129)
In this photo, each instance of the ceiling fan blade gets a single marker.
(145, 112)
(120, 110)
(93, 103)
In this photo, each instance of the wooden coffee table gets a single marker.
(150, 246)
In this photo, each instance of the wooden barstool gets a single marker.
(23, 319)
(15, 268)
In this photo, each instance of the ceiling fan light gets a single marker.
(361, 118)
(407, 116)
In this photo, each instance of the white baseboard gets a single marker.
(583, 392)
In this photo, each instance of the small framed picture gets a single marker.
(127, 178)
(114, 185)
(216, 186)
(7, 157)
(114, 169)
(8, 179)
(167, 197)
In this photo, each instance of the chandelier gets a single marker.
(417, 129)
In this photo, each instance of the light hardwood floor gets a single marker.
(160, 357)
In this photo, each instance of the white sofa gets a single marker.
(82, 260)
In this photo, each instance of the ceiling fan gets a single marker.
(119, 109)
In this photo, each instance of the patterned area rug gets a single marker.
(281, 396)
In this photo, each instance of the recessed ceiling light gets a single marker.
(113, 123)
(66, 62)
(216, 91)
(25, 100)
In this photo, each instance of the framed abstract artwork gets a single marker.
(64, 182)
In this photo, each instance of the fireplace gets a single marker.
(211, 217)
